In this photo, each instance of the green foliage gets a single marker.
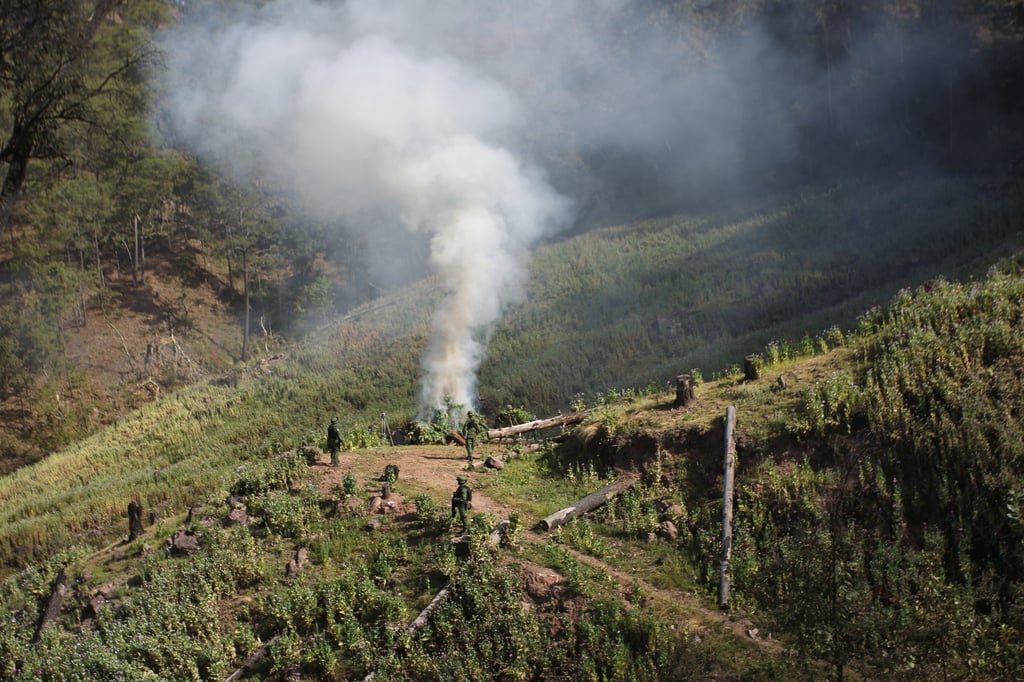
(167, 628)
(278, 473)
(349, 485)
(634, 512)
(579, 534)
(943, 392)
(285, 513)
(428, 512)
(482, 631)
(388, 555)
(828, 406)
(510, 416)
(435, 431)
(348, 615)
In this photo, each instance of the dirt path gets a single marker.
(437, 466)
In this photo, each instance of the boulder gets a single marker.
(183, 543)
(667, 530)
(542, 587)
(494, 463)
(236, 517)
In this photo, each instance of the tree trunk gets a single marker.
(245, 296)
(560, 420)
(751, 368)
(135, 529)
(730, 467)
(685, 394)
(53, 607)
(588, 503)
(135, 250)
(17, 155)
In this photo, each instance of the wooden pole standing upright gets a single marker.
(730, 466)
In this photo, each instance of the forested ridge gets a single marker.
(131, 266)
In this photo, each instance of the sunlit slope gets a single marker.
(628, 305)
(611, 308)
(183, 448)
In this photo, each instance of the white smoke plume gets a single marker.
(454, 119)
(365, 125)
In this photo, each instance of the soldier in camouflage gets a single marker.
(462, 502)
(471, 430)
(333, 441)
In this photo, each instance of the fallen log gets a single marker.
(421, 620)
(588, 503)
(537, 424)
(251, 661)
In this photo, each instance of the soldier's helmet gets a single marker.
(334, 420)
(460, 479)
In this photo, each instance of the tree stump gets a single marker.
(751, 368)
(60, 587)
(134, 520)
(685, 394)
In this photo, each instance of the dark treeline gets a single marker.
(825, 89)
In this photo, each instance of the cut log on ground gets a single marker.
(251, 662)
(537, 424)
(439, 598)
(588, 503)
(457, 437)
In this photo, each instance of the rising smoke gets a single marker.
(482, 127)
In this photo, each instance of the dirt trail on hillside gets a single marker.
(437, 468)
(432, 466)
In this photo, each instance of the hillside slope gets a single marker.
(620, 306)
(876, 527)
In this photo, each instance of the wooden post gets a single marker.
(684, 391)
(730, 466)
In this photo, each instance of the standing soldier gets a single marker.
(470, 431)
(333, 441)
(462, 501)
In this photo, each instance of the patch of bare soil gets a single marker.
(150, 337)
(438, 467)
(435, 466)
